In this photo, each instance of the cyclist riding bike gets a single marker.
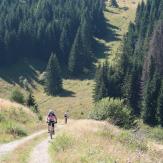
(51, 120)
(65, 117)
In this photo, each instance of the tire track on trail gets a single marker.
(9, 147)
(40, 152)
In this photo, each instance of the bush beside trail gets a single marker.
(113, 110)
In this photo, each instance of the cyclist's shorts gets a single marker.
(51, 123)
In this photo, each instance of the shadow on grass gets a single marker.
(24, 69)
(107, 33)
(124, 8)
(110, 11)
(66, 93)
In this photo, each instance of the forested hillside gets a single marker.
(37, 28)
(139, 77)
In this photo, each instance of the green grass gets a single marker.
(77, 97)
(126, 138)
(61, 143)
(153, 133)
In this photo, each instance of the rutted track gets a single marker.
(9, 147)
(40, 153)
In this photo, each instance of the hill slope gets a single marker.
(78, 95)
(92, 141)
(16, 121)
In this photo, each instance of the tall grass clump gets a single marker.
(155, 133)
(17, 96)
(62, 142)
(131, 141)
(114, 111)
(15, 129)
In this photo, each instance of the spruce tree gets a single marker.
(114, 3)
(150, 101)
(86, 40)
(65, 45)
(53, 83)
(75, 60)
(131, 91)
(100, 90)
(160, 105)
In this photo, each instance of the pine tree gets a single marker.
(160, 105)
(150, 101)
(65, 45)
(100, 90)
(75, 61)
(53, 84)
(134, 91)
(112, 81)
(114, 3)
(86, 40)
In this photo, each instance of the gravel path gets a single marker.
(40, 153)
(9, 147)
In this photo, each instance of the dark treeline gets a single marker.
(36, 28)
(140, 77)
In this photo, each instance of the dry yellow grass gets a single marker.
(9, 107)
(16, 121)
(93, 141)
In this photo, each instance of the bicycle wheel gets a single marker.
(51, 132)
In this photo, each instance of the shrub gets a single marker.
(131, 141)
(40, 118)
(113, 110)
(15, 129)
(35, 108)
(62, 142)
(17, 96)
(2, 118)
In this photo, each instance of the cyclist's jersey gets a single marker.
(52, 117)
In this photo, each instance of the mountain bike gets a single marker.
(51, 129)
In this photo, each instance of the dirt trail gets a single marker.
(40, 153)
(9, 147)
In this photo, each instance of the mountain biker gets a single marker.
(66, 117)
(51, 120)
